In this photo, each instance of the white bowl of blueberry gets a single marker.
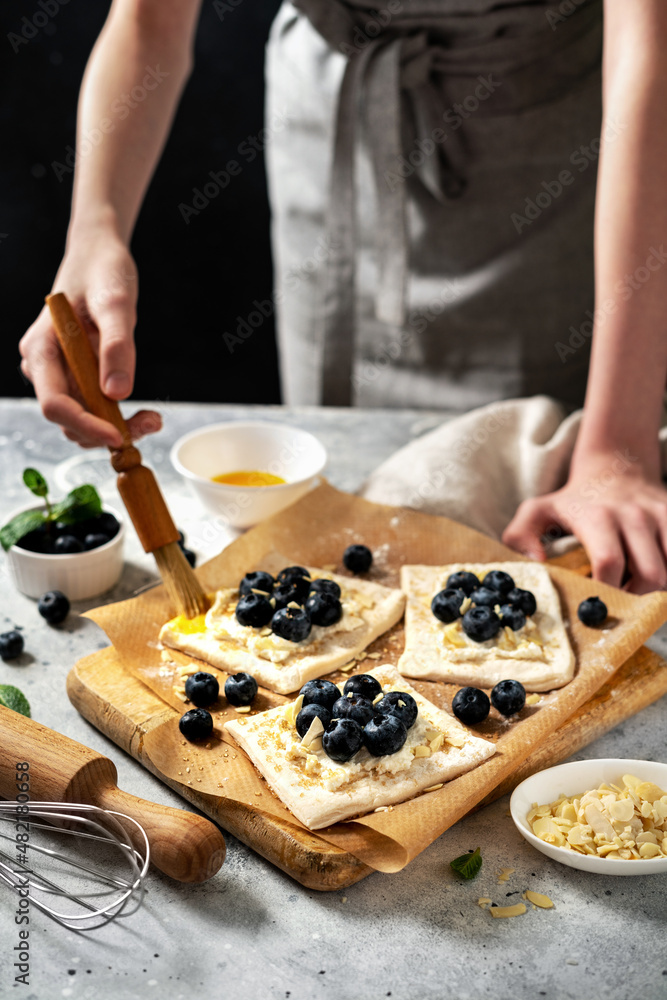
(74, 545)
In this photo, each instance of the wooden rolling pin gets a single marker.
(184, 846)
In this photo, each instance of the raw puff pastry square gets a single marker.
(429, 655)
(369, 609)
(320, 791)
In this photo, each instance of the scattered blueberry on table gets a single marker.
(508, 697)
(196, 724)
(240, 689)
(53, 607)
(592, 611)
(470, 705)
(11, 644)
(202, 689)
(357, 558)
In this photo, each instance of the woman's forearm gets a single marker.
(130, 91)
(629, 355)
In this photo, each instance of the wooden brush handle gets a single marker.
(136, 484)
(183, 845)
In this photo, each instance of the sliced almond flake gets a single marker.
(538, 898)
(457, 740)
(181, 696)
(265, 631)
(431, 734)
(314, 729)
(484, 901)
(437, 742)
(533, 699)
(374, 656)
(377, 698)
(434, 788)
(507, 911)
(381, 809)
(348, 666)
(422, 751)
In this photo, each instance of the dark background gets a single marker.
(195, 279)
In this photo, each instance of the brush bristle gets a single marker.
(185, 591)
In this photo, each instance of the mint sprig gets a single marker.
(468, 865)
(80, 504)
(12, 698)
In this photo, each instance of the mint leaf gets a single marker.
(467, 865)
(35, 482)
(14, 699)
(14, 530)
(80, 503)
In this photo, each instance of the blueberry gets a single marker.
(196, 724)
(39, 540)
(484, 597)
(470, 705)
(324, 586)
(399, 704)
(463, 580)
(508, 697)
(240, 689)
(342, 739)
(291, 623)
(107, 524)
(512, 617)
(189, 555)
(202, 689)
(67, 545)
(592, 611)
(295, 592)
(256, 581)
(254, 610)
(320, 692)
(384, 734)
(308, 713)
(53, 606)
(480, 624)
(94, 540)
(363, 684)
(357, 558)
(498, 579)
(324, 609)
(11, 644)
(292, 573)
(446, 605)
(523, 599)
(357, 708)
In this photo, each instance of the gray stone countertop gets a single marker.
(252, 932)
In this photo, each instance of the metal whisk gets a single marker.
(115, 894)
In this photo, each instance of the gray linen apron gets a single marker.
(432, 181)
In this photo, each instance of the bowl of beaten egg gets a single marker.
(615, 808)
(243, 472)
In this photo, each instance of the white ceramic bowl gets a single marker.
(572, 779)
(288, 452)
(79, 575)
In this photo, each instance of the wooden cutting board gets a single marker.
(124, 709)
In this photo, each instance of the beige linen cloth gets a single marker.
(477, 469)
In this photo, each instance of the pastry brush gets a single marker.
(136, 484)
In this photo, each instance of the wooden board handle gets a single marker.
(183, 845)
(136, 484)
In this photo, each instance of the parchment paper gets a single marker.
(316, 530)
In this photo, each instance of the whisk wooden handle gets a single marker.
(183, 845)
(136, 484)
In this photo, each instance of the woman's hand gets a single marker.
(618, 513)
(99, 277)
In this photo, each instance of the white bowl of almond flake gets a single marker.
(607, 816)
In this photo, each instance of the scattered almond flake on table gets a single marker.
(538, 899)
(507, 911)
(484, 901)
(504, 874)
